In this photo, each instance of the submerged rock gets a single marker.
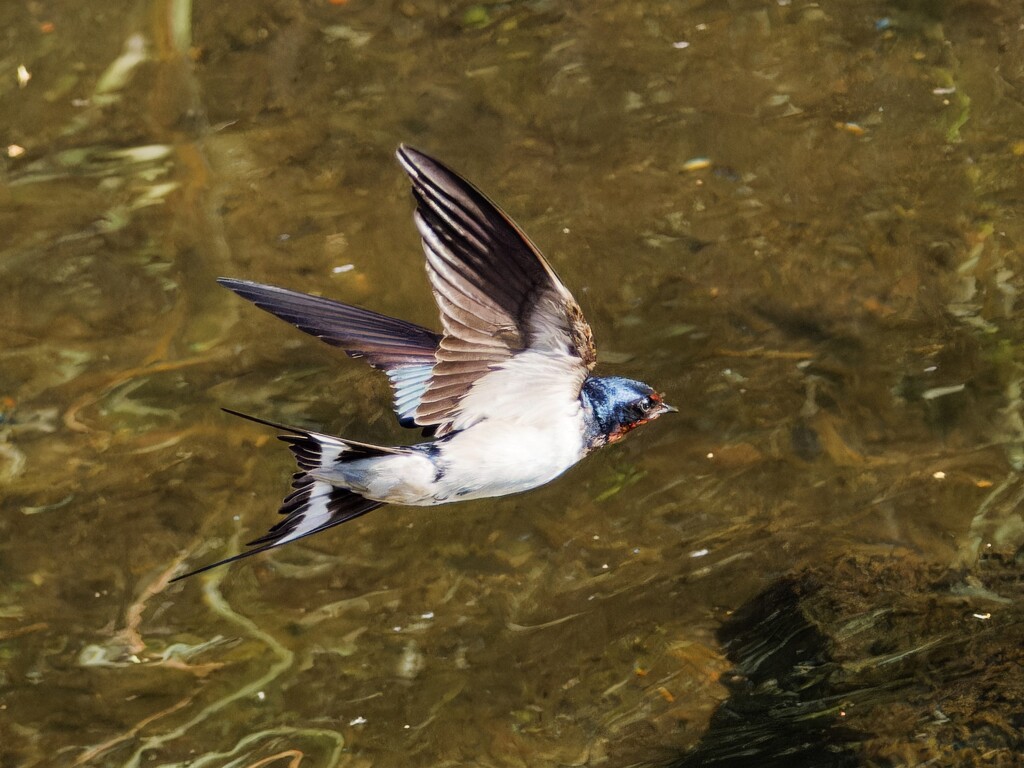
(874, 661)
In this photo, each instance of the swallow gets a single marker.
(505, 391)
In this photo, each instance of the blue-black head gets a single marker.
(615, 406)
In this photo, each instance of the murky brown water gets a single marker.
(832, 299)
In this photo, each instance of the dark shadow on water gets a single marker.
(875, 662)
(782, 704)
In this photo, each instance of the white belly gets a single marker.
(404, 478)
(495, 459)
(489, 459)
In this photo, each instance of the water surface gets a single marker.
(801, 221)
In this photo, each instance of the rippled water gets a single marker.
(801, 221)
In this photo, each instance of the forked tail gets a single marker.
(313, 505)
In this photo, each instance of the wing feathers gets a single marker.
(384, 342)
(497, 295)
(452, 203)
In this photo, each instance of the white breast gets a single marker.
(533, 389)
(492, 458)
(495, 458)
(522, 427)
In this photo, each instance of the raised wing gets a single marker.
(497, 294)
(405, 351)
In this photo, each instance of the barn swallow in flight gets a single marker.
(505, 390)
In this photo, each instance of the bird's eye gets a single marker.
(646, 405)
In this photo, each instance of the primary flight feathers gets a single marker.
(496, 292)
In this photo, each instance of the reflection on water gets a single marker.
(801, 220)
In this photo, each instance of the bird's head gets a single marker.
(615, 406)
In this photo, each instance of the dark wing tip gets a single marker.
(234, 284)
(258, 293)
(420, 167)
(410, 156)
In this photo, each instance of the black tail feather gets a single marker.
(314, 505)
(345, 506)
(225, 561)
